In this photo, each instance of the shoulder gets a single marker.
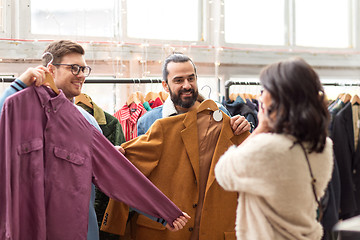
(88, 117)
(152, 115)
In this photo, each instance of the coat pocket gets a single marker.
(147, 222)
(229, 236)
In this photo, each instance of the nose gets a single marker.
(186, 84)
(81, 75)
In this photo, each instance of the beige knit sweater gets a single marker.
(276, 199)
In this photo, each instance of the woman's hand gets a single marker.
(179, 223)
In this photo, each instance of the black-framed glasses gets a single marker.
(76, 68)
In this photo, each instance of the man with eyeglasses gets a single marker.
(69, 71)
(68, 68)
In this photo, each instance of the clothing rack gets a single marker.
(104, 80)
(229, 83)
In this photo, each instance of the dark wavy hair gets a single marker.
(299, 101)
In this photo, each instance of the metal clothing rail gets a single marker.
(229, 83)
(103, 80)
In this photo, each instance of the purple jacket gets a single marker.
(49, 155)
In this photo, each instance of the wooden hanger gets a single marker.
(208, 104)
(151, 96)
(140, 96)
(133, 98)
(49, 81)
(163, 95)
(355, 100)
(83, 98)
(233, 96)
(346, 98)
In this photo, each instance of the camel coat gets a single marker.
(168, 154)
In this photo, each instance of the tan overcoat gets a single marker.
(168, 154)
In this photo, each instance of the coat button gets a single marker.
(194, 205)
(191, 229)
(195, 182)
(68, 157)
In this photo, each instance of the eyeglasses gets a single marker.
(75, 68)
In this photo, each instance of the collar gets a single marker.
(168, 108)
(48, 97)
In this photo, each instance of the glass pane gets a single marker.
(322, 23)
(2, 14)
(163, 19)
(255, 22)
(75, 18)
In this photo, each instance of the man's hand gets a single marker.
(179, 223)
(34, 75)
(239, 124)
(120, 149)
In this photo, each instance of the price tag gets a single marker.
(217, 115)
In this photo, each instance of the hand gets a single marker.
(239, 124)
(179, 223)
(34, 75)
(263, 126)
(120, 149)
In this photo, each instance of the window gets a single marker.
(163, 19)
(2, 14)
(73, 18)
(322, 23)
(255, 22)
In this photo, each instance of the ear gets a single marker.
(165, 86)
(52, 70)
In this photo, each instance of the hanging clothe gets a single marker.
(348, 158)
(48, 161)
(171, 148)
(128, 117)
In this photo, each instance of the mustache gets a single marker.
(186, 91)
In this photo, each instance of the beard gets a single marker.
(188, 102)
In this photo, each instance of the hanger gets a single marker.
(140, 96)
(208, 104)
(85, 99)
(209, 89)
(134, 97)
(163, 95)
(346, 98)
(355, 100)
(233, 96)
(48, 78)
(151, 95)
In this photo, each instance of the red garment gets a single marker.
(155, 103)
(128, 117)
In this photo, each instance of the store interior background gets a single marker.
(227, 39)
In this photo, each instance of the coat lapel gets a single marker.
(190, 139)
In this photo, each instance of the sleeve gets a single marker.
(115, 176)
(246, 168)
(141, 126)
(14, 87)
(145, 151)
(159, 220)
(7, 227)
